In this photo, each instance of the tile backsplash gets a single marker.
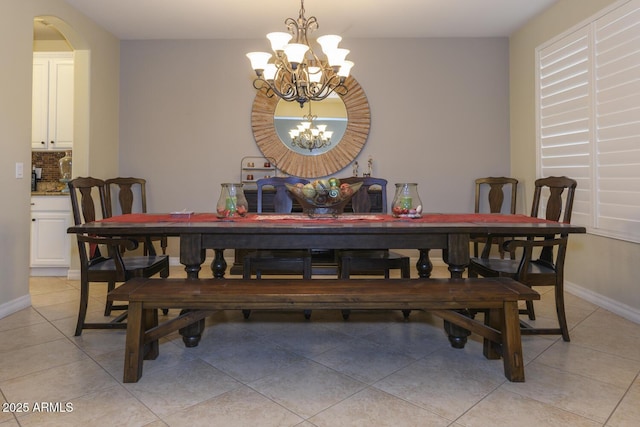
(49, 162)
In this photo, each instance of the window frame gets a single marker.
(571, 130)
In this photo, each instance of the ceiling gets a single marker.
(251, 19)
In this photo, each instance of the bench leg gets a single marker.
(151, 349)
(134, 348)
(512, 343)
(493, 319)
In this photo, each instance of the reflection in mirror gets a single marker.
(314, 129)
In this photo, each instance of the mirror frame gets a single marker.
(313, 166)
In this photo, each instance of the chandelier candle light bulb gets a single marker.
(295, 72)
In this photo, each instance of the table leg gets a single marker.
(218, 265)
(424, 265)
(192, 256)
(457, 257)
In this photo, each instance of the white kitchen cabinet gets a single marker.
(52, 115)
(50, 243)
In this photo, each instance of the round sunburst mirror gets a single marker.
(350, 134)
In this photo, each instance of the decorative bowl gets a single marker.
(324, 201)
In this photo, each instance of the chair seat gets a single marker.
(371, 261)
(488, 267)
(277, 262)
(153, 264)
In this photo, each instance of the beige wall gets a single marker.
(439, 116)
(599, 269)
(96, 123)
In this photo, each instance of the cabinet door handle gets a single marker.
(53, 142)
(33, 220)
(42, 142)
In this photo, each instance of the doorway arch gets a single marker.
(81, 100)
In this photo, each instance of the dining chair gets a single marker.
(279, 261)
(372, 261)
(101, 258)
(494, 189)
(122, 192)
(548, 268)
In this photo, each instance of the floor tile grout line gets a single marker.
(92, 358)
(627, 391)
(498, 386)
(4, 397)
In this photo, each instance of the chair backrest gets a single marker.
(361, 202)
(86, 194)
(124, 189)
(282, 201)
(554, 186)
(496, 193)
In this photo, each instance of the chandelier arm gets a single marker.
(270, 90)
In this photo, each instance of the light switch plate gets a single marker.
(19, 170)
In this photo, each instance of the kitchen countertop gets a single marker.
(48, 193)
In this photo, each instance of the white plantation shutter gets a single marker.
(565, 117)
(589, 119)
(617, 116)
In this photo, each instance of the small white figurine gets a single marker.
(369, 167)
(355, 168)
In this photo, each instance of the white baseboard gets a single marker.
(49, 271)
(16, 305)
(616, 307)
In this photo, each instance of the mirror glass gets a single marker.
(266, 117)
(330, 113)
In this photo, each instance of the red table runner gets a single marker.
(429, 218)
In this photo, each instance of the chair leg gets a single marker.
(82, 312)
(530, 311)
(109, 304)
(306, 275)
(164, 273)
(562, 318)
(246, 274)
(405, 273)
(344, 272)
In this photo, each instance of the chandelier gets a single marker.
(308, 137)
(296, 73)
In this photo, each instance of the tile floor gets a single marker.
(279, 370)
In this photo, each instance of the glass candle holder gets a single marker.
(406, 202)
(232, 202)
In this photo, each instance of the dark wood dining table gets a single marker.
(201, 231)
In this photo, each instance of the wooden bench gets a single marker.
(500, 330)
